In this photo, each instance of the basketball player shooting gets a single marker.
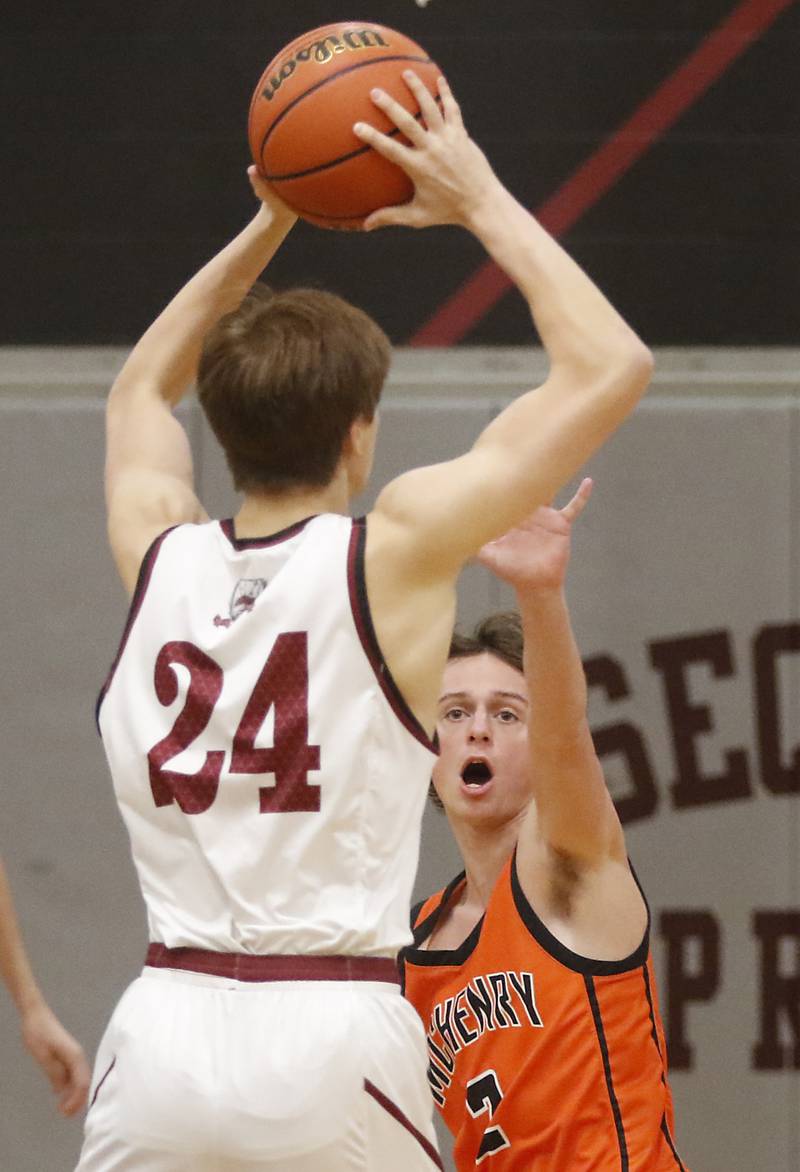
(268, 717)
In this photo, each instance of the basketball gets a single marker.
(301, 119)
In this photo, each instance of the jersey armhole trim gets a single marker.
(442, 957)
(142, 582)
(584, 965)
(359, 605)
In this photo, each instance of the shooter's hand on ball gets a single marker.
(275, 206)
(451, 174)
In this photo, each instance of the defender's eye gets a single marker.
(507, 716)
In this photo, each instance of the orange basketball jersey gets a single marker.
(539, 1058)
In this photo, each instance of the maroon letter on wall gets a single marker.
(683, 986)
(770, 643)
(672, 657)
(604, 672)
(780, 991)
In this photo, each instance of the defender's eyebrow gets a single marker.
(465, 696)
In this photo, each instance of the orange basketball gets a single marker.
(302, 113)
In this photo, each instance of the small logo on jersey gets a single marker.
(243, 599)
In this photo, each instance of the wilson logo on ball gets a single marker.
(304, 105)
(322, 52)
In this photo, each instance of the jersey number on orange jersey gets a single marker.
(283, 683)
(484, 1094)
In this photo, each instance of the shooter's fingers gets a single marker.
(263, 191)
(450, 107)
(428, 104)
(573, 510)
(405, 122)
(390, 148)
(258, 183)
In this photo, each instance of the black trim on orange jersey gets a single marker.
(422, 931)
(572, 960)
(239, 543)
(442, 957)
(612, 1094)
(664, 1125)
(653, 1027)
(666, 1133)
(359, 604)
(139, 591)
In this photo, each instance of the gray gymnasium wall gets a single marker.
(685, 591)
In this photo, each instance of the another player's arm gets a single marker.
(55, 1050)
(574, 814)
(598, 366)
(149, 478)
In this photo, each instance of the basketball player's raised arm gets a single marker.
(56, 1051)
(574, 814)
(149, 478)
(598, 366)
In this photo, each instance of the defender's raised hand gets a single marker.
(535, 555)
(450, 173)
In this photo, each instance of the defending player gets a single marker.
(56, 1051)
(540, 1058)
(267, 719)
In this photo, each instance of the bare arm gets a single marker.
(574, 814)
(56, 1051)
(598, 367)
(149, 478)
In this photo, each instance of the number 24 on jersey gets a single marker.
(282, 684)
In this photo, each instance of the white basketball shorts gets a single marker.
(201, 1073)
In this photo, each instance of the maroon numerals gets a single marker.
(282, 684)
(194, 792)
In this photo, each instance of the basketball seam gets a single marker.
(362, 150)
(327, 80)
(340, 159)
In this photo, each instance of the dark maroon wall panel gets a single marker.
(126, 152)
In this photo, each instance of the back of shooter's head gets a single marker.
(282, 379)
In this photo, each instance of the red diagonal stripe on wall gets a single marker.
(715, 54)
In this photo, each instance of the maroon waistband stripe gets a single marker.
(243, 966)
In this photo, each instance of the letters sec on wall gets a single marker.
(705, 815)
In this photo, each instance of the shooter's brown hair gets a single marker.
(281, 380)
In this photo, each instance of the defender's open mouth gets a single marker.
(476, 773)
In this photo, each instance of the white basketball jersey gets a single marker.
(271, 778)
